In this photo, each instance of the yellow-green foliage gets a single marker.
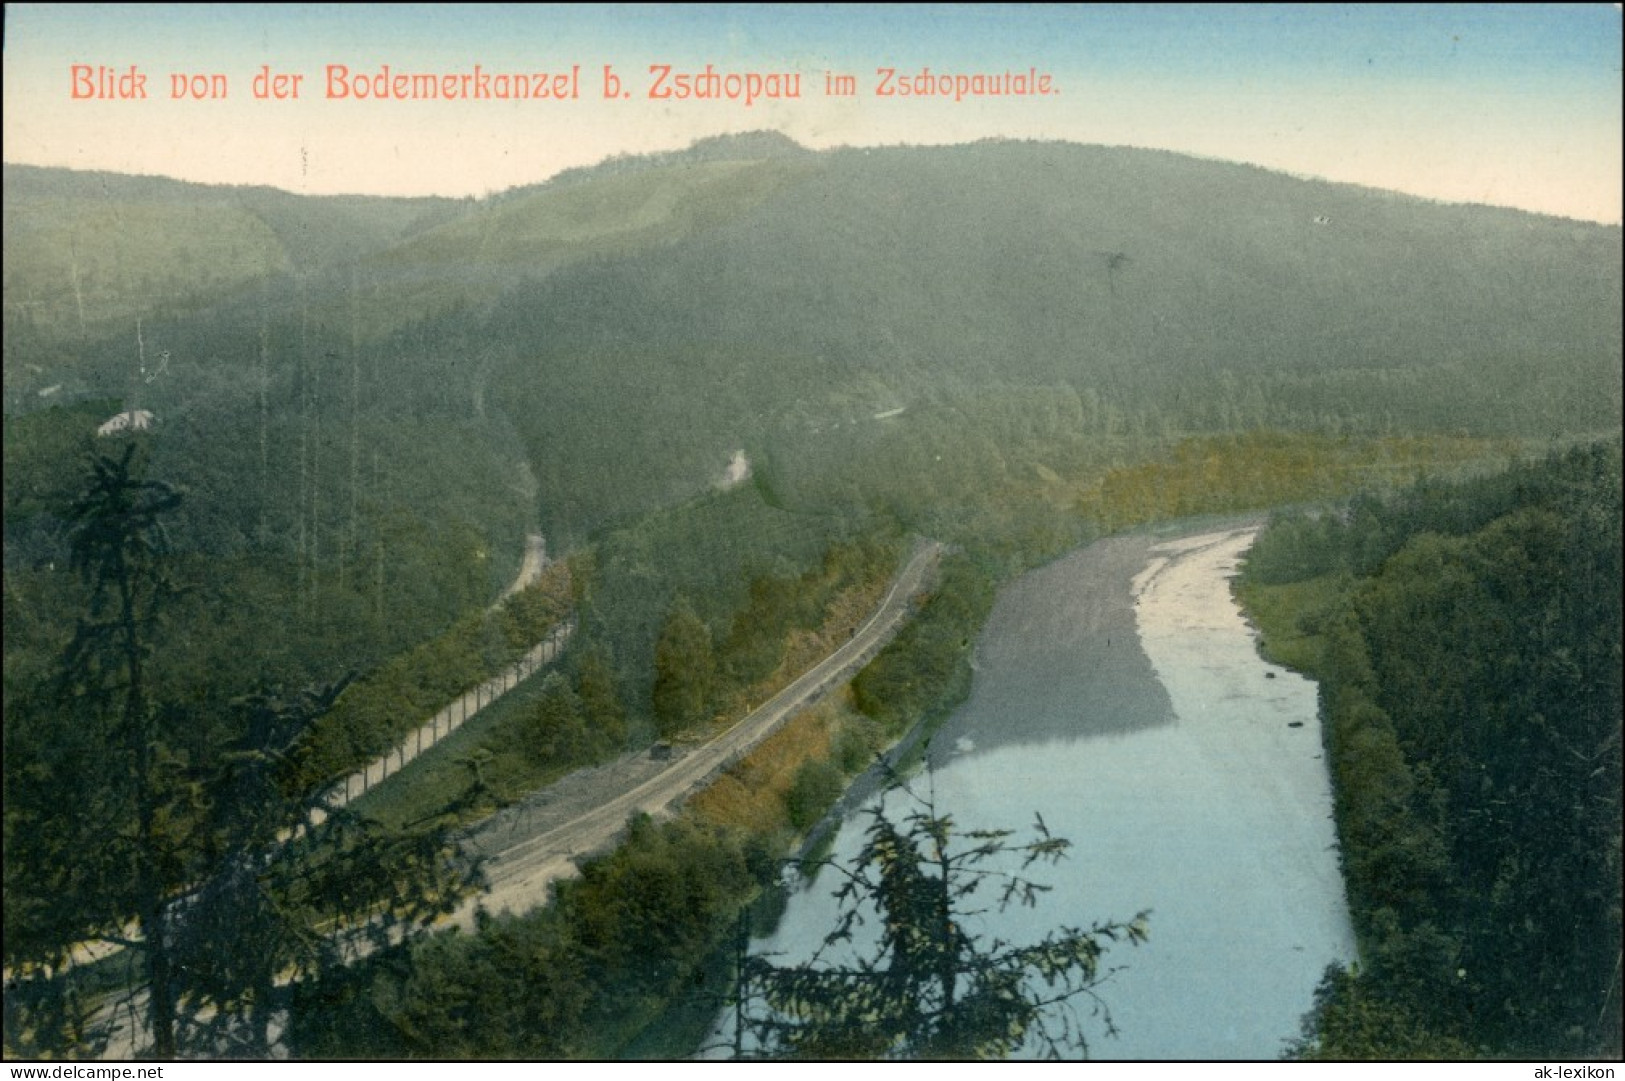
(1254, 470)
(752, 794)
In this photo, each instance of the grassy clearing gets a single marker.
(1287, 618)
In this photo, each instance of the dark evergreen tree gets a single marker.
(117, 543)
(933, 988)
(599, 700)
(296, 886)
(684, 671)
(225, 883)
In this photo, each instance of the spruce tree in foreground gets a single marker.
(236, 883)
(117, 542)
(932, 987)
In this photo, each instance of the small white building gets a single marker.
(131, 420)
(737, 472)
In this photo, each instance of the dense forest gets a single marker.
(728, 385)
(627, 332)
(1466, 641)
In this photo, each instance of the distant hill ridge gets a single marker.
(749, 293)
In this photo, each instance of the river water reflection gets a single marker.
(1119, 693)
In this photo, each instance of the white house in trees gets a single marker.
(131, 420)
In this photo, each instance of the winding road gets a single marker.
(530, 568)
(521, 868)
(522, 863)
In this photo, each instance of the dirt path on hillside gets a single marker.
(530, 568)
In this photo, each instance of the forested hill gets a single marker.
(375, 398)
(1466, 639)
(87, 253)
(1167, 294)
(746, 293)
(1130, 272)
(383, 394)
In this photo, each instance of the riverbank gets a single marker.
(1466, 639)
(1119, 695)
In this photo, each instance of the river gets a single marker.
(1119, 694)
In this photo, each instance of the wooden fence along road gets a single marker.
(431, 732)
(451, 718)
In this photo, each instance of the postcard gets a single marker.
(699, 532)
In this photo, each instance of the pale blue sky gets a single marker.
(1514, 105)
